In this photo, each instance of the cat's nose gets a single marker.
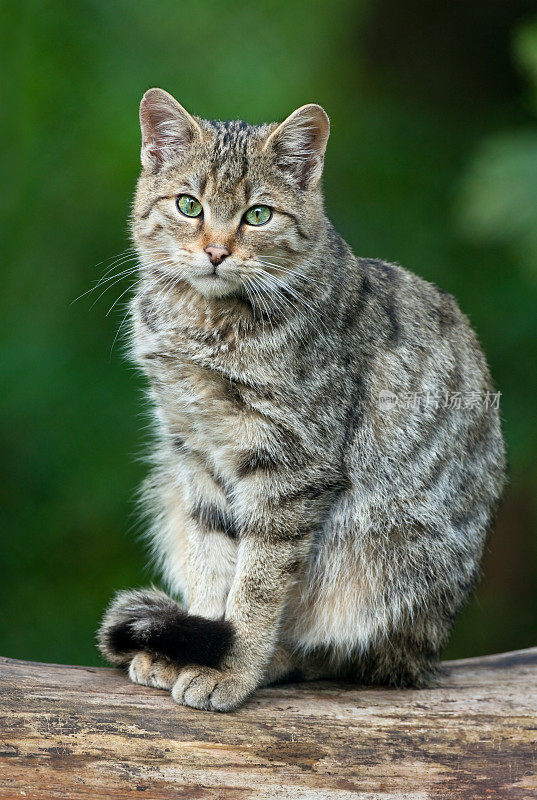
(216, 253)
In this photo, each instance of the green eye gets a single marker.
(189, 206)
(258, 215)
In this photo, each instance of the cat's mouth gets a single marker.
(214, 273)
(214, 282)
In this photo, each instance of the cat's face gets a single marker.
(227, 207)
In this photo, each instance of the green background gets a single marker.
(432, 162)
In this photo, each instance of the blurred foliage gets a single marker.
(499, 195)
(419, 170)
(498, 207)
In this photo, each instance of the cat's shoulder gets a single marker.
(391, 276)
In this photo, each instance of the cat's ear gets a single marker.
(168, 130)
(299, 142)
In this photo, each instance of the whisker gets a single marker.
(125, 255)
(283, 303)
(119, 329)
(130, 271)
(118, 279)
(130, 252)
(275, 287)
(267, 299)
(128, 289)
(266, 306)
(250, 300)
(299, 298)
(107, 278)
(292, 271)
(256, 293)
(98, 285)
(168, 284)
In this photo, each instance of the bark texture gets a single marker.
(84, 732)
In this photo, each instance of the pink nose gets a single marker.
(216, 253)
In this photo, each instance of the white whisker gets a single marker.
(117, 280)
(119, 329)
(250, 299)
(266, 277)
(289, 270)
(255, 289)
(98, 285)
(128, 289)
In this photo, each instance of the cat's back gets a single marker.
(418, 387)
(409, 309)
(406, 334)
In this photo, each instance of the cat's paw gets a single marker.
(213, 689)
(150, 670)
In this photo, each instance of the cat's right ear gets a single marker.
(168, 130)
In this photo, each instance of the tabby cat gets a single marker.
(327, 462)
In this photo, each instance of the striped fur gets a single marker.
(328, 534)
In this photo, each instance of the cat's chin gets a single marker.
(214, 286)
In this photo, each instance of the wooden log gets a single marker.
(84, 732)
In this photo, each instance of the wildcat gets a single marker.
(315, 523)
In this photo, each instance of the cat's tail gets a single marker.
(149, 620)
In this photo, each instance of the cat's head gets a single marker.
(226, 205)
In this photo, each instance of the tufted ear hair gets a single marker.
(299, 142)
(168, 130)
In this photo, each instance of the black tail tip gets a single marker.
(149, 620)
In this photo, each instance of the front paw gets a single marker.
(153, 671)
(213, 689)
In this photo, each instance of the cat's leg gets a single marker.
(195, 537)
(276, 513)
(255, 603)
(194, 541)
(277, 522)
(142, 625)
(207, 558)
(408, 657)
(284, 666)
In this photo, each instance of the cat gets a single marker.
(315, 523)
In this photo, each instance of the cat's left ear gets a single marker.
(168, 130)
(299, 142)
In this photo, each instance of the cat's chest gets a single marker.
(187, 389)
(211, 397)
(203, 405)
